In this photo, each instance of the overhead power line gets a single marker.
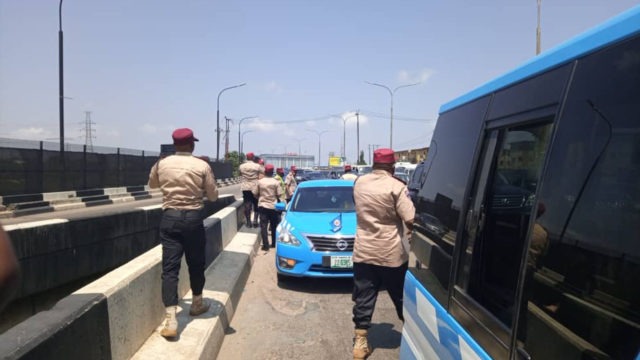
(395, 117)
(330, 116)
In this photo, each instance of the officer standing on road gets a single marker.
(348, 175)
(183, 179)
(250, 173)
(279, 176)
(269, 192)
(290, 184)
(383, 210)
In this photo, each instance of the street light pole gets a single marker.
(61, 77)
(319, 133)
(218, 118)
(239, 126)
(299, 141)
(358, 137)
(538, 31)
(242, 138)
(391, 93)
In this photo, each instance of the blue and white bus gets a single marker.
(527, 232)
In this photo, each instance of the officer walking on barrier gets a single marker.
(183, 179)
(250, 173)
(290, 184)
(269, 192)
(383, 211)
(348, 175)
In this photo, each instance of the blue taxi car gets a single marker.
(317, 232)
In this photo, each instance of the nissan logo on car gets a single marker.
(342, 244)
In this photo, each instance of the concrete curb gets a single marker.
(201, 337)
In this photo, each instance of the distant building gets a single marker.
(286, 160)
(413, 156)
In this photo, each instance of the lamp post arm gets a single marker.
(239, 127)
(382, 86)
(404, 86)
(218, 118)
(228, 88)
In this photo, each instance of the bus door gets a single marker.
(499, 216)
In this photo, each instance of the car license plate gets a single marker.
(341, 262)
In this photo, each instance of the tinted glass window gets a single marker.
(414, 182)
(324, 199)
(490, 264)
(581, 298)
(439, 201)
(314, 175)
(541, 91)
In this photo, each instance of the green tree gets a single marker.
(361, 160)
(236, 160)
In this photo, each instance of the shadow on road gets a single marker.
(384, 336)
(317, 285)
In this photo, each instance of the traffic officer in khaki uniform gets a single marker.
(383, 211)
(250, 173)
(348, 175)
(268, 192)
(280, 177)
(290, 184)
(183, 179)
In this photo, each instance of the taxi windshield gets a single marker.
(324, 199)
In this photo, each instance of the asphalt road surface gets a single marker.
(104, 209)
(303, 319)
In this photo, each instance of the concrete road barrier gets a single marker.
(201, 337)
(113, 316)
(58, 251)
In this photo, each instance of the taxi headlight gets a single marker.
(288, 238)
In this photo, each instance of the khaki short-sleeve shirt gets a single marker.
(184, 179)
(382, 207)
(269, 192)
(290, 185)
(250, 172)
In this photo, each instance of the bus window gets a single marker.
(581, 298)
(439, 201)
(498, 222)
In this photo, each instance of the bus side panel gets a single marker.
(429, 332)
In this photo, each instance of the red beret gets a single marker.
(183, 136)
(250, 155)
(293, 168)
(279, 170)
(347, 167)
(268, 168)
(384, 156)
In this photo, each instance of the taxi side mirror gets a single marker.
(281, 206)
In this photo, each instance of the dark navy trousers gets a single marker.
(367, 280)
(181, 231)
